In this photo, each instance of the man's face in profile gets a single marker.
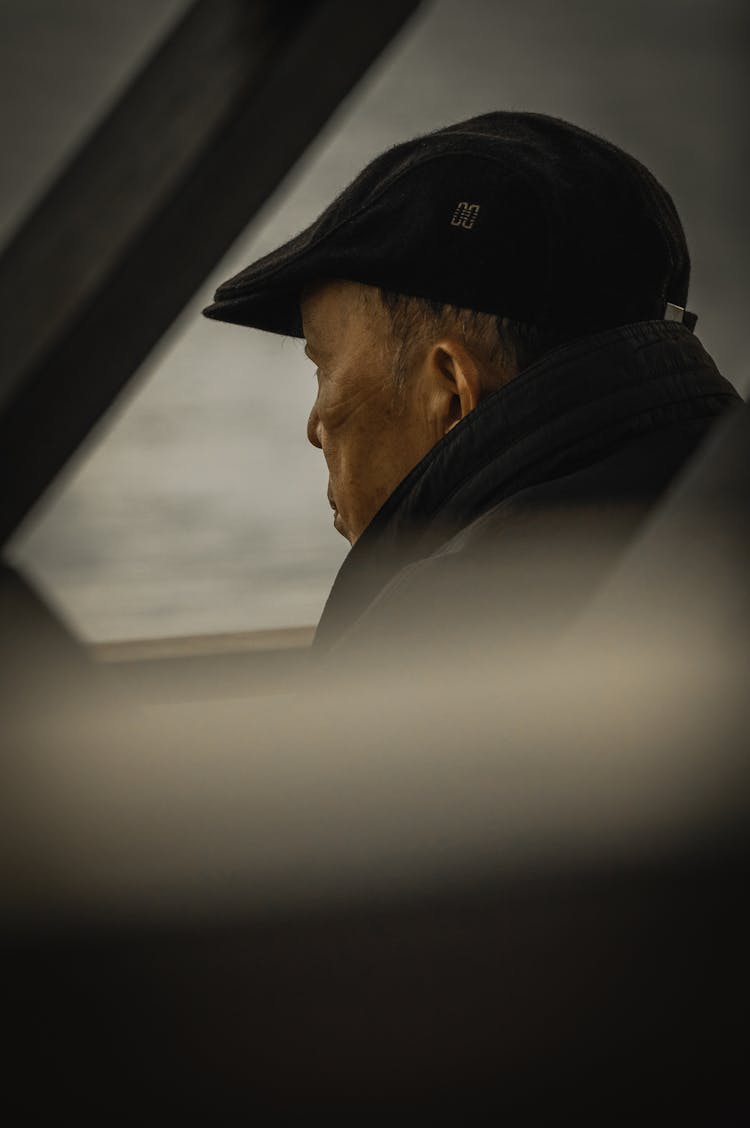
(371, 432)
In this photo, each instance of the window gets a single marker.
(198, 506)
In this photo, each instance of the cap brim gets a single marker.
(275, 311)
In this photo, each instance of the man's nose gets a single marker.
(313, 428)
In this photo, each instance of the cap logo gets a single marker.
(465, 215)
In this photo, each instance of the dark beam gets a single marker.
(157, 194)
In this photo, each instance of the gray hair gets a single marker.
(502, 343)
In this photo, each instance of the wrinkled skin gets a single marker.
(371, 431)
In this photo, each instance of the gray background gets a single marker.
(197, 506)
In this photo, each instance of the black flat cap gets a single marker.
(517, 214)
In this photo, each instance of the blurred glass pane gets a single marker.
(198, 505)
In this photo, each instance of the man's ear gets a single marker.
(457, 381)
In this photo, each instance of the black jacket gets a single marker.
(577, 449)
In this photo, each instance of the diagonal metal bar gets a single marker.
(142, 213)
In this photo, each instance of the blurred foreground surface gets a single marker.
(518, 882)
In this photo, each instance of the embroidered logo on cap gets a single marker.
(465, 215)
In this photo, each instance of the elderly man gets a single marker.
(496, 312)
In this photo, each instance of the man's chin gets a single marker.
(339, 525)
